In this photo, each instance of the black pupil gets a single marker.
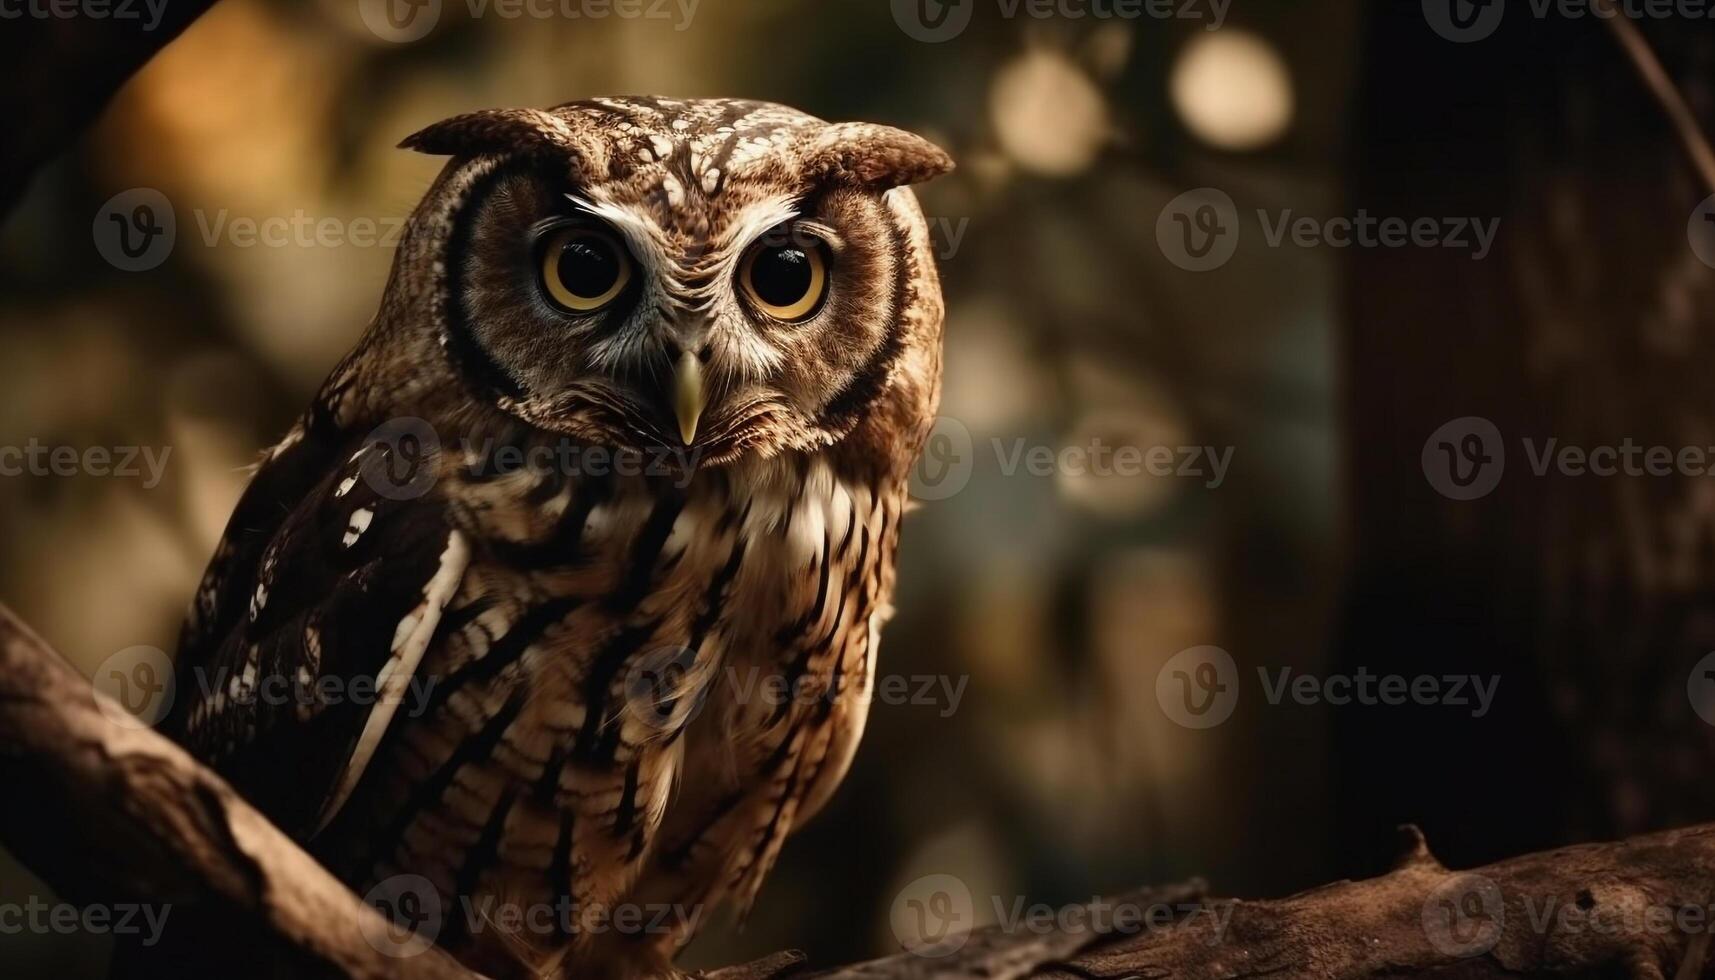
(781, 276)
(588, 267)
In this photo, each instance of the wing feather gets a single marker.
(311, 623)
(411, 641)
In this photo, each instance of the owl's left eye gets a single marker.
(584, 269)
(786, 275)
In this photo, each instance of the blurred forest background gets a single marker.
(1055, 599)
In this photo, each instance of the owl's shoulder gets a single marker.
(323, 592)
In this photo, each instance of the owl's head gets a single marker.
(717, 276)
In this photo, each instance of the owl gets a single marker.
(557, 611)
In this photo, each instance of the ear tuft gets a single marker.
(510, 131)
(876, 157)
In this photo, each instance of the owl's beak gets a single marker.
(688, 395)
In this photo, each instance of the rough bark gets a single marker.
(109, 813)
(117, 813)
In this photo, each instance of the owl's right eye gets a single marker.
(584, 269)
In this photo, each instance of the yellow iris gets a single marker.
(787, 282)
(584, 269)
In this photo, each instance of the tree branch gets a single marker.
(118, 813)
(108, 814)
(62, 68)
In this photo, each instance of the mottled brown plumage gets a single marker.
(617, 574)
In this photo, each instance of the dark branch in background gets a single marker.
(60, 71)
(111, 812)
(1661, 85)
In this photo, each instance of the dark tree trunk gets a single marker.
(1591, 322)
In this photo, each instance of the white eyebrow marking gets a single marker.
(640, 233)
